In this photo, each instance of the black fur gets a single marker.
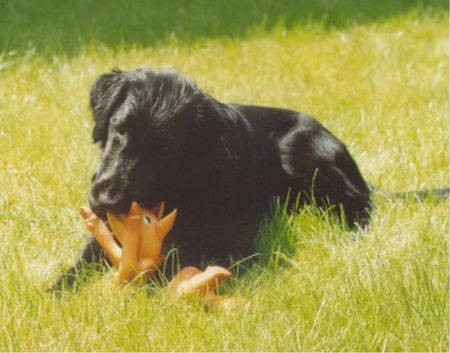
(163, 139)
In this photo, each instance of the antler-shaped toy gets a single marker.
(141, 241)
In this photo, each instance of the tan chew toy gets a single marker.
(192, 281)
(141, 240)
(141, 235)
(98, 229)
(152, 229)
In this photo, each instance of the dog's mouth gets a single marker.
(105, 216)
(119, 210)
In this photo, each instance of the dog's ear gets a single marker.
(106, 95)
(206, 123)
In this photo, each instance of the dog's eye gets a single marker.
(164, 146)
(121, 130)
(160, 144)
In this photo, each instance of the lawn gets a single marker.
(374, 73)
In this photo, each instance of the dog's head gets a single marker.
(154, 128)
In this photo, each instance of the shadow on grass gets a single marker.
(288, 230)
(54, 27)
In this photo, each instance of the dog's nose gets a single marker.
(99, 187)
(101, 193)
(96, 207)
(108, 196)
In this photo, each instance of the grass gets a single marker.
(378, 80)
(49, 26)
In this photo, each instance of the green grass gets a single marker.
(377, 78)
(49, 26)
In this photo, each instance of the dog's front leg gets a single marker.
(92, 257)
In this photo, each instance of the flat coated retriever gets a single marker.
(163, 139)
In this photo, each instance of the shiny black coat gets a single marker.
(221, 165)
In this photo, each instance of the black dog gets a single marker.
(163, 139)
